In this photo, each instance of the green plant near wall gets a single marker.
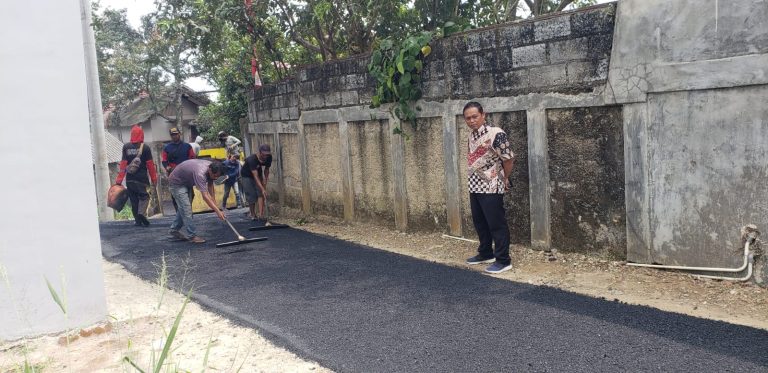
(397, 68)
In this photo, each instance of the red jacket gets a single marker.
(137, 138)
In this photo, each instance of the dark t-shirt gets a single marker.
(252, 163)
(129, 152)
(176, 153)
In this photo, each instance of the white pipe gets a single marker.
(745, 278)
(703, 269)
(460, 238)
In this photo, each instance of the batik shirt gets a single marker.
(488, 147)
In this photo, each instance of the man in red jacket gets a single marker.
(137, 182)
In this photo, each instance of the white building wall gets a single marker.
(49, 225)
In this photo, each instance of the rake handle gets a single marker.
(239, 237)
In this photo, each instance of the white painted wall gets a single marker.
(49, 222)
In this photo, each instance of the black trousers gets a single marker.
(490, 222)
(137, 194)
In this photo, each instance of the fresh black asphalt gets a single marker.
(357, 309)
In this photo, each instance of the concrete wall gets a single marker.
(323, 155)
(586, 173)
(351, 166)
(55, 235)
(424, 175)
(291, 169)
(369, 147)
(639, 129)
(694, 89)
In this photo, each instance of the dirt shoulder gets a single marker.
(140, 313)
(733, 302)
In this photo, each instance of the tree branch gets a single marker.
(531, 7)
(563, 4)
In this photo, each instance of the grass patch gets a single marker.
(125, 213)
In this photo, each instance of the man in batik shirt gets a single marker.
(489, 164)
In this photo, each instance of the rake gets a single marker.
(240, 239)
(268, 225)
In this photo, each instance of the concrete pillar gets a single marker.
(306, 193)
(398, 177)
(636, 181)
(245, 134)
(348, 190)
(452, 182)
(277, 156)
(538, 170)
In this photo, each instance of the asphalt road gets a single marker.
(357, 309)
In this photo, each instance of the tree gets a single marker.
(220, 39)
(122, 54)
(171, 32)
(234, 38)
(541, 7)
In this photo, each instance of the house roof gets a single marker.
(114, 149)
(143, 108)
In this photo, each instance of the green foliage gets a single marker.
(171, 335)
(397, 68)
(122, 55)
(216, 39)
(225, 114)
(61, 301)
(157, 365)
(125, 213)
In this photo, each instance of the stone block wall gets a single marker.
(275, 102)
(335, 84)
(340, 158)
(350, 165)
(565, 53)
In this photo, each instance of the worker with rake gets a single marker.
(201, 174)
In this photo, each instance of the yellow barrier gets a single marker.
(216, 153)
(198, 204)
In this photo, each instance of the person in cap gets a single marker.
(173, 154)
(138, 181)
(198, 173)
(231, 143)
(255, 175)
(176, 151)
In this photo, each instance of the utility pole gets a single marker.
(95, 113)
